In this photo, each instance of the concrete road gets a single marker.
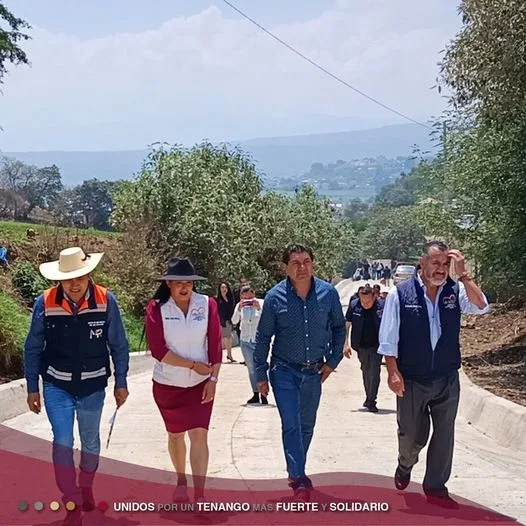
(245, 441)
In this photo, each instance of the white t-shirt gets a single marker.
(249, 317)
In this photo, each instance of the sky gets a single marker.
(123, 74)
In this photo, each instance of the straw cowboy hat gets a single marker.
(72, 263)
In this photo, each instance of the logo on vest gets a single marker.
(99, 323)
(450, 302)
(198, 314)
(97, 333)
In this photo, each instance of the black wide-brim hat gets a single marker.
(180, 269)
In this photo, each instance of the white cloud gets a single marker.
(210, 75)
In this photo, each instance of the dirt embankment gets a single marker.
(494, 352)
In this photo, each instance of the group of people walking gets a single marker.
(376, 271)
(76, 327)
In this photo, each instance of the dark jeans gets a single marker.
(436, 400)
(297, 392)
(371, 363)
(61, 408)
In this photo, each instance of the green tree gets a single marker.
(33, 186)
(10, 39)
(392, 233)
(483, 162)
(93, 202)
(41, 187)
(208, 203)
(485, 65)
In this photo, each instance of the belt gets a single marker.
(303, 366)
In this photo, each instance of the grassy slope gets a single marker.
(14, 318)
(14, 324)
(16, 232)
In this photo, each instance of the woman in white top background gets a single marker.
(248, 313)
(184, 336)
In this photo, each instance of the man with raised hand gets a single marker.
(419, 337)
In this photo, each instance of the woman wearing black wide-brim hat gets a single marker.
(184, 336)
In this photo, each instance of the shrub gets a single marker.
(14, 325)
(28, 282)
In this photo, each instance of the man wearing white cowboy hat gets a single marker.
(76, 326)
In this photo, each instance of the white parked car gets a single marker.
(403, 272)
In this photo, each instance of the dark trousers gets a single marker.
(436, 400)
(371, 363)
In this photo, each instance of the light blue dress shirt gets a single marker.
(390, 326)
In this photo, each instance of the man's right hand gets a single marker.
(347, 351)
(396, 383)
(263, 388)
(202, 368)
(33, 402)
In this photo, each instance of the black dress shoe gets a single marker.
(88, 501)
(443, 501)
(401, 479)
(264, 400)
(372, 408)
(254, 399)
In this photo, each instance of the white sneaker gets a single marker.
(180, 494)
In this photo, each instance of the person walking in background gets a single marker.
(183, 331)
(380, 271)
(243, 282)
(376, 290)
(305, 316)
(248, 313)
(386, 273)
(419, 337)
(225, 302)
(237, 298)
(363, 318)
(76, 326)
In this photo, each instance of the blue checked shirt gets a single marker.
(305, 331)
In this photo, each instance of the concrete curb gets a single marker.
(13, 394)
(12, 399)
(499, 419)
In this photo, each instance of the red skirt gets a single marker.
(181, 407)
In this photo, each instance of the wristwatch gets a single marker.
(213, 379)
(463, 276)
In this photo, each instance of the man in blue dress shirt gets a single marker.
(305, 316)
(419, 337)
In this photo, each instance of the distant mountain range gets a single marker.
(277, 157)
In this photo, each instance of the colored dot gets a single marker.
(23, 505)
(38, 505)
(70, 505)
(102, 506)
(54, 505)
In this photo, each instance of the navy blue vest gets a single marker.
(416, 358)
(76, 356)
(357, 320)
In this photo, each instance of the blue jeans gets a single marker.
(61, 407)
(247, 348)
(297, 392)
